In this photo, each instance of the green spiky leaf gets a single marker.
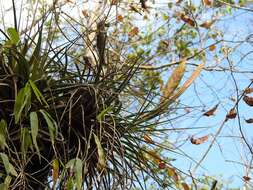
(3, 128)
(52, 126)
(23, 101)
(14, 36)
(101, 156)
(9, 168)
(34, 123)
(37, 93)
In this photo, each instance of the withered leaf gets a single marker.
(120, 18)
(114, 2)
(162, 165)
(85, 13)
(148, 139)
(155, 156)
(246, 178)
(207, 2)
(231, 114)
(70, 1)
(133, 8)
(174, 81)
(187, 20)
(249, 120)
(143, 4)
(200, 140)
(207, 24)
(189, 81)
(172, 173)
(248, 100)
(134, 31)
(185, 186)
(165, 42)
(212, 47)
(178, 1)
(211, 111)
(101, 165)
(248, 90)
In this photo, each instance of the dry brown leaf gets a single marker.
(211, 111)
(172, 173)
(133, 8)
(187, 20)
(85, 13)
(207, 2)
(178, 1)
(185, 186)
(154, 155)
(231, 114)
(70, 1)
(162, 165)
(246, 178)
(207, 24)
(194, 75)
(249, 120)
(114, 2)
(248, 90)
(148, 139)
(248, 100)
(180, 91)
(120, 18)
(133, 31)
(212, 47)
(143, 4)
(200, 140)
(101, 164)
(173, 81)
(165, 42)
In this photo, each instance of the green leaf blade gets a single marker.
(51, 125)
(34, 123)
(9, 168)
(37, 93)
(101, 156)
(23, 101)
(3, 129)
(14, 36)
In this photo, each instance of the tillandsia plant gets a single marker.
(68, 100)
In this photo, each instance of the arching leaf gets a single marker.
(9, 168)
(37, 93)
(55, 172)
(198, 141)
(77, 165)
(34, 123)
(101, 156)
(52, 126)
(211, 111)
(173, 81)
(23, 101)
(14, 36)
(3, 128)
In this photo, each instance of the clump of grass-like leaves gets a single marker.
(65, 122)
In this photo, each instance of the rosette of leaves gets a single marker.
(66, 123)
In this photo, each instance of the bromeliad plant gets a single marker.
(66, 123)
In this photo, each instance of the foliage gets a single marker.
(84, 98)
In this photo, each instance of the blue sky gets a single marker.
(218, 87)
